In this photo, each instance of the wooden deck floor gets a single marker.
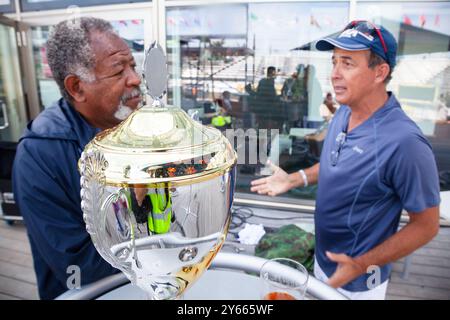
(429, 276)
(17, 277)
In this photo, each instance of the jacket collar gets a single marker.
(81, 129)
(62, 122)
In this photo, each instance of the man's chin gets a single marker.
(122, 112)
(341, 99)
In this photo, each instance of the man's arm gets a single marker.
(421, 229)
(280, 181)
(48, 199)
(312, 174)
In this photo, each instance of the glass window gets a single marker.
(197, 38)
(252, 68)
(422, 76)
(132, 31)
(7, 6)
(34, 5)
(13, 116)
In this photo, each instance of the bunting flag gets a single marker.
(437, 21)
(171, 21)
(407, 20)
(422, 20)
(135, 21)
(123, 22)
(253, 16)
(313, 22)
(328, 21)
(184, 22)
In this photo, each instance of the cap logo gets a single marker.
(352, 33)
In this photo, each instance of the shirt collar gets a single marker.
(390, 104)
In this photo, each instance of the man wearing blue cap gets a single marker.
(375, 162)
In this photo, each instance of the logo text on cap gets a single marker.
(352, 33)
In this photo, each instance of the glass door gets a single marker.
(14, 113)
(13, 109)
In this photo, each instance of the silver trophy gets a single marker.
(157, 191)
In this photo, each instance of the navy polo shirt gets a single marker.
(382, 166)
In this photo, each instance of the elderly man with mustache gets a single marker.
(96, 75)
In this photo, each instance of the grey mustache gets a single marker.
(133, 94)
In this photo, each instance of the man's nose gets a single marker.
(133, 79)
(335, 72)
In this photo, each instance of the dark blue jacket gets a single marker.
(46, 185)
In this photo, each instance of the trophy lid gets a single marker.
(160, 144)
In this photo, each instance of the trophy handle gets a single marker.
(92, 166)
(113, 197)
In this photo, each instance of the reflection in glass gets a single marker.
(253, 68)
(164, 238)
(157, 203)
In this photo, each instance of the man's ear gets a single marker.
(382, 71)
(74, 87)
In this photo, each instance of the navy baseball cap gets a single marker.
(363, 35)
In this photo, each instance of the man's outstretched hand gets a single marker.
(272, 185)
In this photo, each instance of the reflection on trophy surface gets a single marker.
(157, 192)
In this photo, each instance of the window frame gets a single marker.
(27, 6)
